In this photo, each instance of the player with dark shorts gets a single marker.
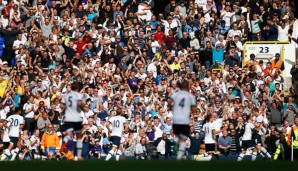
(72, 105)
(183, 104)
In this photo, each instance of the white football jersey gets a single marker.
(14, 122)
(3, 112)
(259, 119)
(117, 125)
(248, 131)
(183, 100)
(73, 111)
(209, 137)
(6, 136)
(29, 106)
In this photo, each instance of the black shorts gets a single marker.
(257, 139)
(210, 148)
(115, 140)
(6, 145)
(30, 124)
(246, 144)
(14, 141)
(181, 130)
(76, 126)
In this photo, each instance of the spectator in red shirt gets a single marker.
(159, 35)
(81, 43)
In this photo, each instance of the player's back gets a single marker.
(248, 131)
(118, 125)
(183, 100)
(208, 128)
(14, 123)
(72, 111)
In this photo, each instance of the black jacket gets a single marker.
(294, 73)
(194, 145)
(9, 36)
(167, 146)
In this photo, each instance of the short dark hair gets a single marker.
(118, 111)
(184, 84)
(75, 86)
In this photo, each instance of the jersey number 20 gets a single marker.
(14, 122)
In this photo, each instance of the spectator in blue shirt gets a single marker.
(271, 32)
(117, 12)
(218, 53)
(91, 15)
(153, 24)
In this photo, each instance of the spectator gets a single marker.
(43, 122)
(141, 152)
(225, 143)
(163, 145)
(255, 25)
(195, 143)
(120, 55)
(95, 150)
(50, 141)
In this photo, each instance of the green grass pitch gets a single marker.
(148, 165)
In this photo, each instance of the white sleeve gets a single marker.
(8, 121)
(124, 120)
(63, 99)
(212, 127)
(21, 120)
(80, 96)
(252, 126)
(193, 100)
(173, 96)
(111, 119)
(14, 44)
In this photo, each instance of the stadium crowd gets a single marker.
(133, 55)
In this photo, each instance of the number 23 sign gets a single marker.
(264, 49)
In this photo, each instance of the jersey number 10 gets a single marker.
(117, 123)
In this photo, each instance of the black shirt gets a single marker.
(56, 115)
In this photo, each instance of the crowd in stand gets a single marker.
(133, 55)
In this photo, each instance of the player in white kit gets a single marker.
(210, 132)
(116, 127)
(15, 123)
(184, 103)
(72, 104)
(258, 120)
(247, 141)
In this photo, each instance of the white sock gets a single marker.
(182, 146)
(14, 153)
(181, 151)
(262, 154)
(5, 154)
(176, 139)
(3, 157)
(249, 151)
(118, 154)
(254, 156)
(79, 148)
(36, 156)
(265, 152)
(240, 157)
(111, 153)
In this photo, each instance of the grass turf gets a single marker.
(148, 165)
